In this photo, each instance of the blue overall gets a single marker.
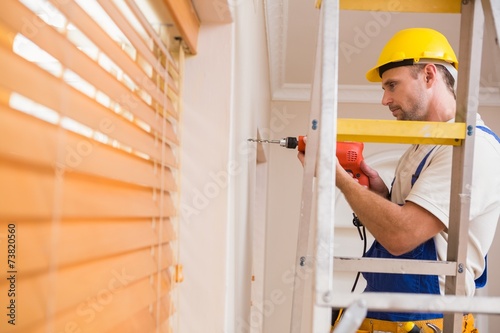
(409, 283)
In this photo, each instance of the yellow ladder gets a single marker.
(325, 126)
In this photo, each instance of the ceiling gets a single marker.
(292, 29)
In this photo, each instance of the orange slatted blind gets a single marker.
(89, 115)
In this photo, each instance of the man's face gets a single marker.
(403, 94)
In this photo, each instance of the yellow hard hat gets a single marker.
(410, 46)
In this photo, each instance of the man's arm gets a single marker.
(377, 185)
(398, 228)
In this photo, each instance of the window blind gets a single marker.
(89, 158)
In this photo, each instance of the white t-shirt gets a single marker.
(432, 192)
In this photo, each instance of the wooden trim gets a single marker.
(434, 6)
(115, 305)
(57, 45)
(27, 194)
(144, 320)
(186, 21)
(130, 275)
(85, 240)
(81, 154)
(6, 36)
(104, 42)
(49, 89)
(90, 189)
(171, 63)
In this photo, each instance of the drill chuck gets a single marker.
(289, 142)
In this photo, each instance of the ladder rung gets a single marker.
(416, 302)
(397, 266)
(425, 6)
(393, 131)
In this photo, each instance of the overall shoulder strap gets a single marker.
(415, 176)
(489, 131)
(481, 281)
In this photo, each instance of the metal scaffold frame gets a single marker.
(325, 129)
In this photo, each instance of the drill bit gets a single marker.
(289, 142)
(264, 141)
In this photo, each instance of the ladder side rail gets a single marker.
(302, 267)
(491, 9)
(325, 207)
(469, 57)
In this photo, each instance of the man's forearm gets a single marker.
(398, 228)
(378, 214)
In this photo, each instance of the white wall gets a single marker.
(285, 185)
(226, 98)
(205, 181)
(250, 111)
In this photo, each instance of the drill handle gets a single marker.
(361, 177)
(301, 144)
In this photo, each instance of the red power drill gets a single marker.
(349, 154)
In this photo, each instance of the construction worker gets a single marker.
(417, 69)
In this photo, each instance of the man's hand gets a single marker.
(301, 155)
(377, 185)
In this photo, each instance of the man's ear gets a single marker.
(430, 72)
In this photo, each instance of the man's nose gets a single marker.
(386, 99)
